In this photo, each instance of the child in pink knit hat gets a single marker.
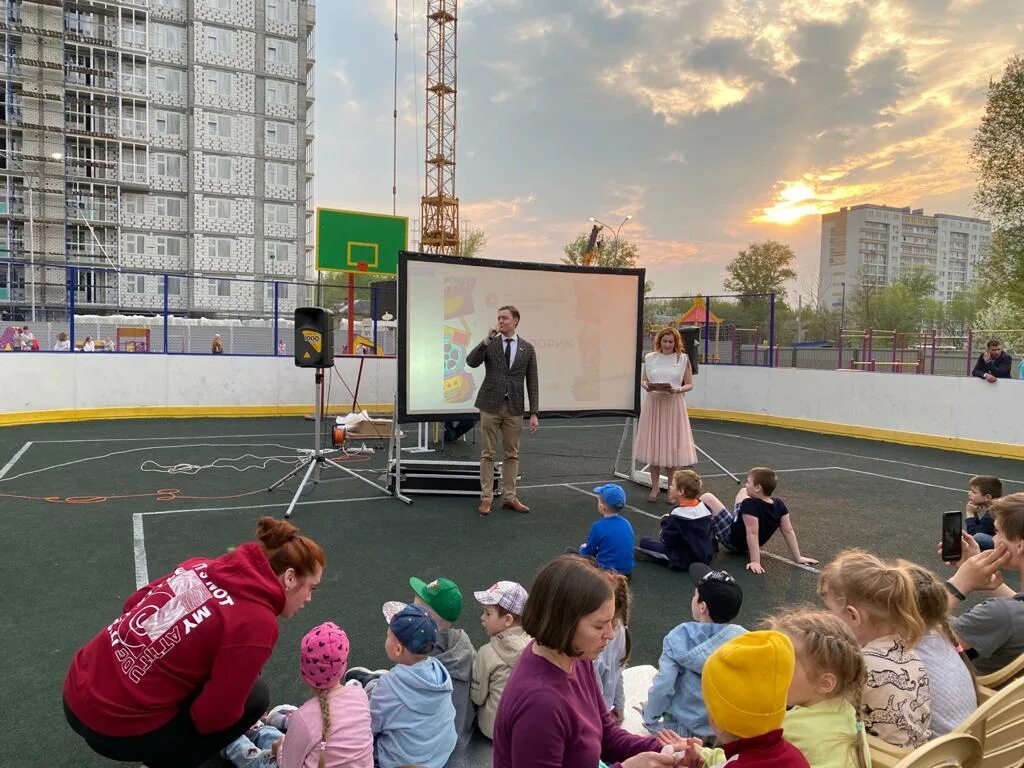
(331, 728)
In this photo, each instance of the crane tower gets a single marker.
(439, 207)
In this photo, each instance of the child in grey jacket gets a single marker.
(675, 700)
(442, 600)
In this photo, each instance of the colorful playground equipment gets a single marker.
(872, 349)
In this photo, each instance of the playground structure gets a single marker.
(891, 351)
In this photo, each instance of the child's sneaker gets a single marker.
(363, 675)
(278, 716)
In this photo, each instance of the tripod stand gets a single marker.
(314, 461)
(628, 433)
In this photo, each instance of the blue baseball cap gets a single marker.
(612, 495)
(412, 626)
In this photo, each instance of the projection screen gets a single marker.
(585, 323)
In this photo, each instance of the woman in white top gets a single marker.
(663, 436)
(63, 343)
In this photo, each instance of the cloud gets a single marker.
(713, 122)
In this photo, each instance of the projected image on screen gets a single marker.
(584, 324)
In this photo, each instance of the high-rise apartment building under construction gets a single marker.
(150, 137)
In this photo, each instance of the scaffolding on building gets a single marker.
(75, 134)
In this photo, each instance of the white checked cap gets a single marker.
(510, 595)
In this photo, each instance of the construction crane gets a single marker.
(439, 207)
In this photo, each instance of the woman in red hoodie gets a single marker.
(176, 676)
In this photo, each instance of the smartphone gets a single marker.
(952, 530)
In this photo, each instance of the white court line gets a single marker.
(139, 538)
(764, 553)
(149, 448)
(181, 437)
(851, 455)
(139, 535)
(155, 512)
(14, 459)
(900, 479)
(266, 434)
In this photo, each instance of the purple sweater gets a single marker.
(550, 719)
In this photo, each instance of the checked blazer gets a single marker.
(500, 379)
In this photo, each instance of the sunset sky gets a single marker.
(713, 122)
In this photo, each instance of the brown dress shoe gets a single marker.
(516, 504)
(485, 507)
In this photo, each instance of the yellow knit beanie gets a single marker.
(745, 683)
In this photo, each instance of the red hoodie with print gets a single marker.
(204, 631)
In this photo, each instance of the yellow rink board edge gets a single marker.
(960, 444)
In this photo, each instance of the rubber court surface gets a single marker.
(92, 509)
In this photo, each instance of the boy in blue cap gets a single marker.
(610, 541)
(411, 712)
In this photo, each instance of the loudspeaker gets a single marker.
(314, 337)
(690, 334)
(383, 298)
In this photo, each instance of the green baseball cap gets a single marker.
(442, 595)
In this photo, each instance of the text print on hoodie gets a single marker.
(203, 631)
(412, 716)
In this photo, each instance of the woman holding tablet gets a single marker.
(663, 436)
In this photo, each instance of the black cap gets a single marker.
(718, 591)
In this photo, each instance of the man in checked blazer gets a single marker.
(508, 359)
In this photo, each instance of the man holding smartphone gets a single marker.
(992, 633)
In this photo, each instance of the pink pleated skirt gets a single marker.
(663, 436)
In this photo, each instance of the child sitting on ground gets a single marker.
(824, 697)
(686, 530)
(442, 599)
(745, 684)
(411, 711)
(950, 675)
(981, 491)
(502, 621)
(333, 727)
(674, 701)
(610, 541)
(609, 665)
(754, 519)
(878, 603)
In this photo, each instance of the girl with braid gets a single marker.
(825, 694)
(331, 730)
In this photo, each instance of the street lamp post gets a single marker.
(615, 238)
(842, 307)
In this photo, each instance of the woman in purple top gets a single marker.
(552, 713)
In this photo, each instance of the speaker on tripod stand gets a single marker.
(314, 348)
(314, 337)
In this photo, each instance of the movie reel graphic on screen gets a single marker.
(458, 385)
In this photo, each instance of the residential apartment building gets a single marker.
(878, 244)
(156, 137)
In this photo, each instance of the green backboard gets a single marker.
(350, 241)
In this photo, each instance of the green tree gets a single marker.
(761, 268)
(998, 150)
(471, 245)
(903, 306)
(618, 253)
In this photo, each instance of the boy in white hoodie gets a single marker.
(411, 712)
(502, 620)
